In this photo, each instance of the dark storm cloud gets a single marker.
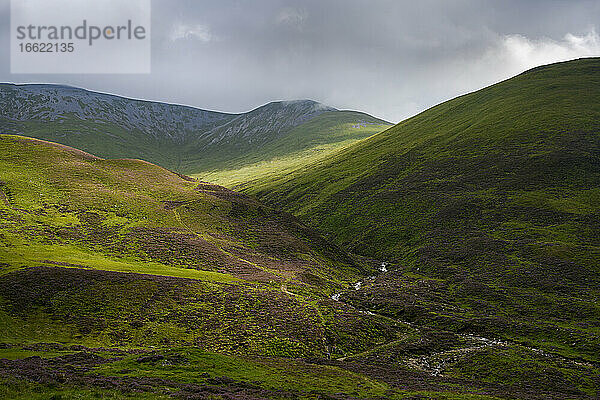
(387, 57)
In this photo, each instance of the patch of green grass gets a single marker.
(25, 390)
(36, 327)
(273, 373)
(69, 255)
(19, 353)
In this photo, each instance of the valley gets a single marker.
(296, 251)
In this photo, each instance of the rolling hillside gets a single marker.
(121, 279)
(124, 253)
(61, 205)
(181, 138)
(486, 206)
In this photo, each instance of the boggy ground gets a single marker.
(148, 335)
(193, 373)
(124, 309)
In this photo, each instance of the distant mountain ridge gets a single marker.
(55, 102)
(167, 134)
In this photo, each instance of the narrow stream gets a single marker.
(435, 363)
(358, 285)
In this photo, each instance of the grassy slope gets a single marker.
(487, 204)
(136, 212)
(314, 140)
(97, 218)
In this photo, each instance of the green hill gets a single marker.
(65, 208)
(315, 140)
(487, 207)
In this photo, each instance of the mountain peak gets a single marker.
(305, 105)
(269, 121)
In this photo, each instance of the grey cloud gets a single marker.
(387, 57)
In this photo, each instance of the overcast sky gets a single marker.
(390, 58)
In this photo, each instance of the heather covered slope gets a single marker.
(486, 205)
(56, 199)
(123, 252)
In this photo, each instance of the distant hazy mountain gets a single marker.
(174, 136)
